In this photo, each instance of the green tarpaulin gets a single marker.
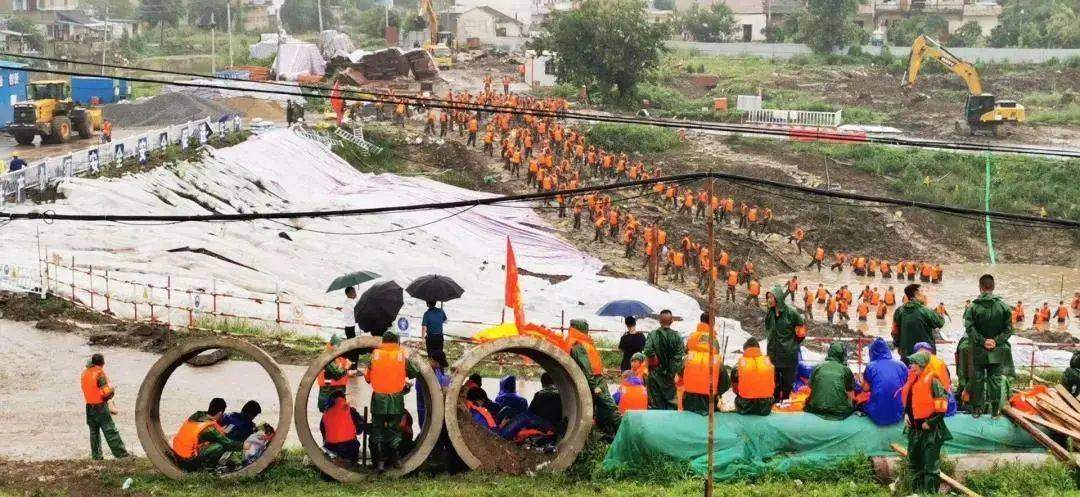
(751, 445)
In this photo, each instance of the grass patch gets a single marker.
(1019, 183)
(388, 160)
(632, 138)
(1052, 479)
(1066, 115)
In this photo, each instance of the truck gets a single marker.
(51, 114)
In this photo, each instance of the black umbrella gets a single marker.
(378, 306)
(435, 288)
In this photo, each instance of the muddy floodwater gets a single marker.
(1030, 283)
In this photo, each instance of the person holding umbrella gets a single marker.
(431, 328)
(349, 314)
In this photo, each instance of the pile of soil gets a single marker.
(164, 109)
(256, 108)
(495, 453)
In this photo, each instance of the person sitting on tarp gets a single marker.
(240, 425)
(201, 441)
(754, 381)
(340, 425)
(802, 376)
(925, 404)
(1070, 379)
(476, 402)
(508, 403)
(584, 353)
(476, 382)
(832, 386)
(547, 403)
(882, 381)
(941, 372)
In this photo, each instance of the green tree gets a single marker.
(300, 16)
(967, 35)
(372, 22)
(34, 38)
(829, 25)
(160, 13)
(712, 24)
(610, 44)
(1045, 24)
(903, 32)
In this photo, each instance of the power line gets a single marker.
(250, 216)
(374, 97)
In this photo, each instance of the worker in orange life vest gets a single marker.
(388, 375)
(98, 394)
(201, 441)
(339, 426)
(632, 394)
(583, 351)
(925, 405)
(1062, 313)
(1018, 313)
(754, 381)
(1042, 315)
(334, 377)
(694, 377)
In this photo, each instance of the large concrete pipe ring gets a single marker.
(432, 422)
(148, 405)
(573, 388)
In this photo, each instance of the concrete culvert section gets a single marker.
(148, 405)
(432, 422)
(577, 406)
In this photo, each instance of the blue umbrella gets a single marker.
(624, 308)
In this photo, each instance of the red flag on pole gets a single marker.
(337, 103)
(513, 291)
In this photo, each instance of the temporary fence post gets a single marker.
(135, 300)
(150, 300)
(1032, 365)
(91, 287)
(108, 306)
(277, 303)
(73, 279)
(213, 289)
(562, 321)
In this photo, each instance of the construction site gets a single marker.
(449, 269)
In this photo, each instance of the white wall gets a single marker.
(536, 73)
(756, 22)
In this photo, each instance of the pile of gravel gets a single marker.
(164, 109)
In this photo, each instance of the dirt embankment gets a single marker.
(53, 314)
(70, 478)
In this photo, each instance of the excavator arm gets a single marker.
(926, 46)
(427, 7)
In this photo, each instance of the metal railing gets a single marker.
(41, 174)
(794, 117)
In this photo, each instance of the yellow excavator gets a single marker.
(983, 110)
(51, 114)
(438, 49)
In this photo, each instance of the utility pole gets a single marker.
(319, 7)
(228, 23)
(105, 40)
(213, 44)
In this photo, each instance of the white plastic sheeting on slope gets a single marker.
(298, 59)
(283, 171)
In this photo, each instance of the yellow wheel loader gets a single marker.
(51, 114)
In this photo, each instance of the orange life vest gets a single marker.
(882, 310)
(822, 294)
(483, 412)
(864, 309)
(1018, 314)
(1062, 313)
(632, 397)
(732, 278)
(819, 254)
(695, 374)
(186, 442)
(91, 392)
(343, 363)
(338, 423)
(595, 363)
(757, 376)
(831, 305)
(890, 297)
(1042, 315)
(923, 403)
(755, 288)
(387, 372)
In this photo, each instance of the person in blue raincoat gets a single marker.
(510, 404)
(883, 380)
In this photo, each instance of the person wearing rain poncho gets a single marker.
(584, 353)
(389, 376)
(508, 403)
(988, 323)
(665, 352)
(832, 386)
(334, 377)
(785, 330)
(941, 372)
(925, 404)
(882, 381)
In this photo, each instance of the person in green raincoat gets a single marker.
(913, 322)
(388, 375)
(98, 394)
(584, 353)
(988, 323)
(334, 377)
(782, 326)
(832, 386)
(925, 405)
(665, 351)
(1070, 379)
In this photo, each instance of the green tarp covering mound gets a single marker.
(749, 446)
